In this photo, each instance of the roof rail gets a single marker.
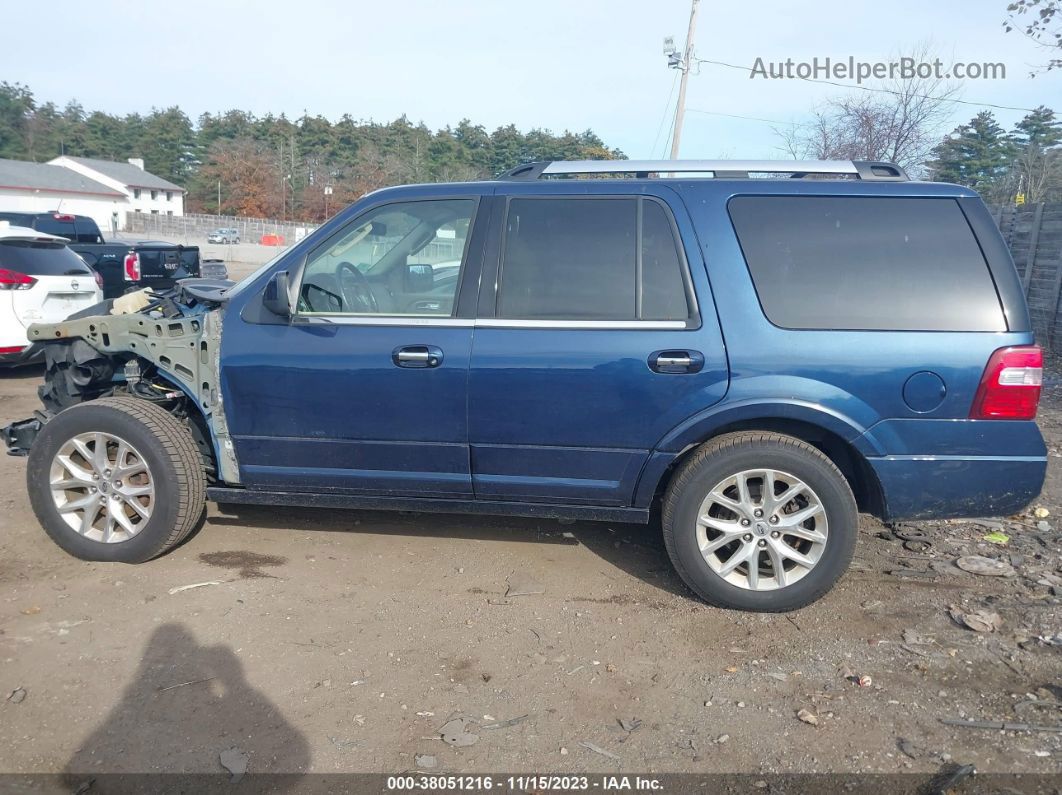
(719, 169)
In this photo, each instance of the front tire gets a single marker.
(116, 479)
(759, 521)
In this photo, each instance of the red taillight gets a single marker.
(132, 267)
(1010, 386)
(16, 349)
(13, 280)
(99, 279)
(61, 217)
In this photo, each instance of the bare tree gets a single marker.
(901, 121)
(1041, 22)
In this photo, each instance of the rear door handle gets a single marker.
(676, 361)
(417, 356)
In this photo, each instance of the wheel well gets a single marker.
(188, 411)
(854, 467)
(197, 424)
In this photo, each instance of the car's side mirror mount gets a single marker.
(277, 297)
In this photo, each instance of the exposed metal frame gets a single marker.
(719, 169)
(186, 351)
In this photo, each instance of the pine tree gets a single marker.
(977, 155)
(16, 111)
(1038, 160)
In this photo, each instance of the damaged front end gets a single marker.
(163, 347)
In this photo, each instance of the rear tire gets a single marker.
(718, 520)
(150, 458)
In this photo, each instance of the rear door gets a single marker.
(596, 335)
(62, 282)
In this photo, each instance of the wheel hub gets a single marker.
(102, 487)
(762, 529)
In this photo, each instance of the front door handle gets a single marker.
(676, 361)
(417, 356)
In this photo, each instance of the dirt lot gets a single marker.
(343, 641)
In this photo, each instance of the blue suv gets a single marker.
(757, 350)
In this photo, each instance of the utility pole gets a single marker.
(684, 64)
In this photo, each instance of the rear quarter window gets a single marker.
(866, 263)
(40, 259)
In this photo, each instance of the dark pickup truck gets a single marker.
(124, 264)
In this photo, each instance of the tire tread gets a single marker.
(176, 443)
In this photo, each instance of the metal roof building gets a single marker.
(105, 190)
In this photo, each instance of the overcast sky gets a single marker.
(558, 64)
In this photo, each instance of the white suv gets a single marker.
(41, 281)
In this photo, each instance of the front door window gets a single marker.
(399, 259)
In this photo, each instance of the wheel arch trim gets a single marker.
(707, 424)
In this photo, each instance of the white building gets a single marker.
(39, 187)
(101, 189)
(145, 192)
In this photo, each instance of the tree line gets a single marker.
(272, 166)
(307, 168)
(1002, 166)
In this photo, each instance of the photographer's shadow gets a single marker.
(187, 704)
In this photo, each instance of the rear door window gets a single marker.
(40, 259)
(86, 231)
(866, 263)
(663, 295)
(591, 259)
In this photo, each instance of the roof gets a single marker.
(10, 232)
(126, 173)
(24, 175)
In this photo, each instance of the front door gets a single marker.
(365, 391)
(590, 344)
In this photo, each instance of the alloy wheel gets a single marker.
(102, 487)
(762, 529)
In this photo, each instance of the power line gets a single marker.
(876, 90)
(663, 116)
(747, 118)
(667, 139)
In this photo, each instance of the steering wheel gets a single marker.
(356, 293)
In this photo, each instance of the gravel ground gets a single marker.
(343, 641)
